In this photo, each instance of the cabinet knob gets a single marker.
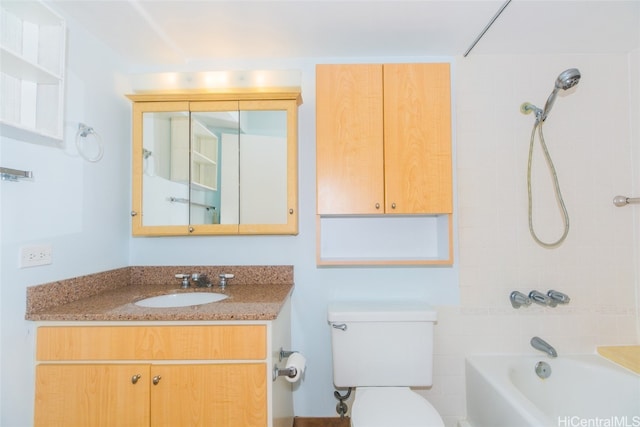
(393, 205)
(134, 213)
(191, 229)
(377, 205)
(290, 211)
(156, 379)
(135, 378)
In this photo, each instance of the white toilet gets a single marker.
(382, 349)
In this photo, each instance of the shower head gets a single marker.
(566, 80)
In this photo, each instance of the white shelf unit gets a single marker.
(32, 54)
(384, 240)
(204, 157)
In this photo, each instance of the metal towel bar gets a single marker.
(620, 201)
(184, 200)
(9, 174)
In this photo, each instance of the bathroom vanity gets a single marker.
(102, 360)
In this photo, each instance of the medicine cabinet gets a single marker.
(215, 163)
(32, 54)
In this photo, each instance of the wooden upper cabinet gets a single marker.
(383, 139)
(349, 139)
(417, 135)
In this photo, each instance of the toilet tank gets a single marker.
(382, 343)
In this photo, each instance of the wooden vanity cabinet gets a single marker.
(383, 139)
(164, 375)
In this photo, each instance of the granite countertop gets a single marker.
(256, 297)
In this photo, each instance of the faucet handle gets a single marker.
(184, 278)
(223, 279)
(519, 299)
(558, 297)
(539, 298)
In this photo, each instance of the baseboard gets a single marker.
(321, 422)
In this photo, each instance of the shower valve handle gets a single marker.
(558, 298)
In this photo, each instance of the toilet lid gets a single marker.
(392, 406)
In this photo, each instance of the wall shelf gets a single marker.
(32, 52)
(352, 240)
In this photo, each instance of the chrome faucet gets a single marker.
(201, 280)
(540, 344)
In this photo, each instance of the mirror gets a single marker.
(215, 167)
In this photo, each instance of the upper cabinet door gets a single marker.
(417, 135)
(349, 139)
(383, 139)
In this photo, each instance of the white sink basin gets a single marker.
(180, 300)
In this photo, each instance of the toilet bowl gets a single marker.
(382, 349)
(392, 407)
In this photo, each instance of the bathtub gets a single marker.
(582, 390)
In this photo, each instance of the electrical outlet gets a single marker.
(31, 256)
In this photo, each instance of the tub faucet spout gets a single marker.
(540, 344)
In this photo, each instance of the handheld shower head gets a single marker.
(566, 80)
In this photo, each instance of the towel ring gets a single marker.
(83, 132)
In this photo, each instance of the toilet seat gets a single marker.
(392, 407)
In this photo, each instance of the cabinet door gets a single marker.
(417, 138)
(349, 139)
(221, 395)
(160, 168)
(96, 395)
(268, 167)
(212, 211)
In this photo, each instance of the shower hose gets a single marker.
(538, 126)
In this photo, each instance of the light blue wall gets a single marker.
(80, 208)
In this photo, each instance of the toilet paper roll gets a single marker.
(298, 361)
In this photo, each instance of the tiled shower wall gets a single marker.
(590, 136)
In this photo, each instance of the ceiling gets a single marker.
(156, 32)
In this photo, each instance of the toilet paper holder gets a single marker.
(285, 353)
(288, 372)
(295, 366)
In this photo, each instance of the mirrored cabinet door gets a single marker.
(160, 191)
(268, 167)
(215, 167)
(210, 211)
